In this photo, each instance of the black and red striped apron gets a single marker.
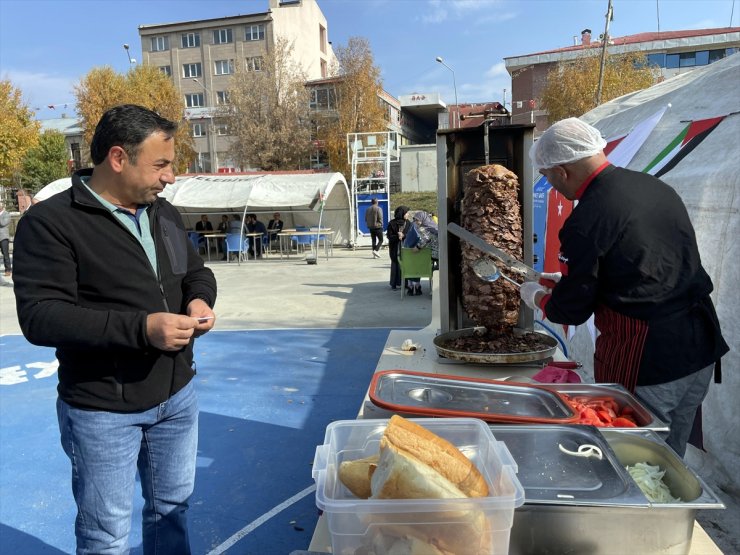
(619, 347)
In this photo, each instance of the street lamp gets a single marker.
(454, 85)
(131, 61)
(213, 155)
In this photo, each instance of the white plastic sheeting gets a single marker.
(708, 180)
(294, 195)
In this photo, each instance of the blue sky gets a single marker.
(46, 46)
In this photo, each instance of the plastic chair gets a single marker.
(198, 241)
(302, 240)
(233, 244)
(415, 264)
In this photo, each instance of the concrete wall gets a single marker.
(418, 168)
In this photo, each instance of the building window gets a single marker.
(715, 55)
(687, 59)
(190, 40)
(222, 97)
(195, 100)
(702, 57)
(199, 130)
(671, 61)
(254, 63)
(192, 70)
(255, 32)
(323, 99)
(324, 72)
(222, 129)
(167, 70)
(657, 59)
(222, 36)
(223, 67)
(160, 44)
(322, 38)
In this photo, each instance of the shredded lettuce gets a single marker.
(650, 480)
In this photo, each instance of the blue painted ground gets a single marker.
(266, 398)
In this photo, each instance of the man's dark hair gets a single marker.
(127, 126)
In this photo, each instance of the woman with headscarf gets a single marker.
(395, 234)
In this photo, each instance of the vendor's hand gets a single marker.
(532, 292)
(205, 318)
(169, 332)
(550, 279)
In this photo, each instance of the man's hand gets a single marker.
(205, 319)
(169, 332)
(532, 292)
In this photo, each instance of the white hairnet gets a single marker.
(564, 142)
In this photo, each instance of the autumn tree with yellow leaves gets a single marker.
(19, 132)
(359, 109)
(571, 86)
(267, 112)
(103, 88)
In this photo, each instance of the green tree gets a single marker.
(358, 107)
(18, 131)
(103, 88)
(45, 162)
(267, 112)
(571, 86)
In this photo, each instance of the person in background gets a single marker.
(395, 234)
(223, 227)
(255, 243)
(374, 222)
(235, 225)
(5, 239)
(275, 226)
(105, 274)
(420, 234)
(204, 226)
(628, 254)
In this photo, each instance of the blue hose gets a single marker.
(555, 335)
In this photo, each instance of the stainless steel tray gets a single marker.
(644, 417)
(493, 401)
(487, 357)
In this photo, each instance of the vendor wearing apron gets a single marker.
(628, 254)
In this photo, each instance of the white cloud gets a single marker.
(497, 69)
(442, 10)
(42, 89)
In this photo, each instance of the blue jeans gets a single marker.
(106, 449)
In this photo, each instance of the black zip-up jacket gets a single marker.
(629, 247)
(85, 286)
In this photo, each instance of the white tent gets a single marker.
(297, 196)
(708, 180)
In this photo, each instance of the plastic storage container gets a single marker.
(462, 526)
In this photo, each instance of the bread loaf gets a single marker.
(355, 475)
(438, 453)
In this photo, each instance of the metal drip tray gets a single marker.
(494, 401)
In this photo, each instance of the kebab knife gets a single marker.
(506, 258)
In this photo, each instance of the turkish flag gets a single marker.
(558, 210)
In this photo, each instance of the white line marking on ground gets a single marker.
(261, 520)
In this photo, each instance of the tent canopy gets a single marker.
(296, 196)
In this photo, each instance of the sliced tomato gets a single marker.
(621, 422)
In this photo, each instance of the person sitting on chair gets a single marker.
(275, 226)
(255, 243)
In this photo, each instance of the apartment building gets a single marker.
(673, 52)
(201, 56)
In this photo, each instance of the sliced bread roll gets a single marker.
(400, 475)
(438, 453)
(355, 475)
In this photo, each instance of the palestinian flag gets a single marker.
(686, 141)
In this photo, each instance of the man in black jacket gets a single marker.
(105, 273)
(628, 254)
